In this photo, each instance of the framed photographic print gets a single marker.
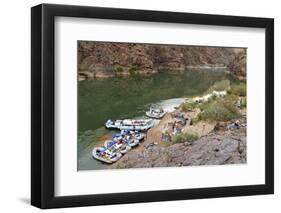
(139, 106)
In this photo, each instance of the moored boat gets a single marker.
(132, 142)
(130, 138)
(109, 143)
(125, 148)
(130, 124)
(101, 154)
(115, 156)
(114, 145)
(135, 134)
(117, 146)
(155, 113)
(118, 137)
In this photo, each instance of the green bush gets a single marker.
(187, 106)
(185, 137)
(218, 111)
(238, 89)
(230, 97)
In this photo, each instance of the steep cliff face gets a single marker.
(105, 59)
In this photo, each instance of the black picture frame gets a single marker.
(43, 111)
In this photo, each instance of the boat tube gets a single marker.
(155, 113)
(138, 135)
(117, 146)
(115, 156)
(130, 124)
(135, 134)
(125, 148)
(132, 142)
(101, 154)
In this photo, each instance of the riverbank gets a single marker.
(126, 72)
(131, 97)
(201, 140)
(216, 146)
(154, 138)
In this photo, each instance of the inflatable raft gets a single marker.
(155, 113)
(130, 124)
(101, 154)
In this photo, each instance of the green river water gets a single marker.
(129, 97)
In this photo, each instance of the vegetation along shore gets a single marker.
(214, 133)
(150, 105)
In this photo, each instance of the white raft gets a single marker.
(155, 113)
(97, 154)
(130, 124)
(125, 148)
(134, 134)
(132, 142)
(116, 146)
(115, 156)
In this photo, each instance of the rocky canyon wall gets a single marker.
(108, 59)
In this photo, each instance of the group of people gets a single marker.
(175, 128)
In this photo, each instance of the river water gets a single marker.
(130, 97)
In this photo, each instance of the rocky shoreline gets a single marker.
(211, 149)
(216, 142)
(216, 145)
